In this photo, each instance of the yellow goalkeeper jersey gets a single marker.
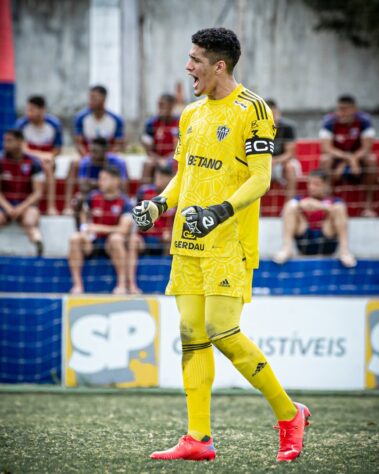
(218, 140)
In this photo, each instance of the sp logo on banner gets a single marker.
(111, 341)
(372, 345)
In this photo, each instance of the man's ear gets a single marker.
(220, 66)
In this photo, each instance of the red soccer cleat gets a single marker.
(189, 449)
(291, 434)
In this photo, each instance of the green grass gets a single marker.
(82, 433)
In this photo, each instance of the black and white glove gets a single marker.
(146, 213)
(201, 221)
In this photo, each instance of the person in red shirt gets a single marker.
(21, 187)
(161, 136)
(106, 226)
(317, 222)
(157, 240)
(347, 138)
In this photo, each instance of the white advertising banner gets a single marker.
(311, 343)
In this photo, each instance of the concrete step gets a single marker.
(56, 231)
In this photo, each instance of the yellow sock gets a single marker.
(198, 375)
(245, 355)
(197, 364)
(251, 362)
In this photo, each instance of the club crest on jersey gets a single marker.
(222, 132)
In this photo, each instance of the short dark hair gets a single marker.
(271, 103)
(319, 173)
(38, 101)
(347, 99)
(220, 44)
(15, 132)
(168, 98)
(112, 171)
(101, 141)
(100, 89)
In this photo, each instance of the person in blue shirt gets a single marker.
(43, 139)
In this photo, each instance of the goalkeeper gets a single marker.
(224, 166)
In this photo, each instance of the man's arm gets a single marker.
(289, 152)
(123, 227)
(38, 187)
(256, 186)
(328, 147)
(172, 190)
(79, 144)
(6, 205)
(365, 148)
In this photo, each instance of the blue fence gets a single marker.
(297, 277)
(30, 340)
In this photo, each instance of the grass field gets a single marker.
(93, 433)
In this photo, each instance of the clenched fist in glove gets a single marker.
(201, 221)
(147, 212)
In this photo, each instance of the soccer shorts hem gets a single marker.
(210, 276)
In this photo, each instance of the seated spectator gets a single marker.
(106, 226)
(90, 167)
(161, 136)
(21, 187)
(347, 138)
(317, 222)
(285, 167)
(43, 139)
(155, 241)
(93, 122)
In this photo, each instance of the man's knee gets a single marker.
(116, 240)
(290, 208)
(222, 316)
(30, 217)
(76, 238)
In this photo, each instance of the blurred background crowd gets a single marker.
(93, 126)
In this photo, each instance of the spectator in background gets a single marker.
(43, 139)
(285, 167)
(161, 136)
(94, 121)
(90, 167)
(106, 226)
(157, 240)
(21, 187)
(347, 138)
(317, 222)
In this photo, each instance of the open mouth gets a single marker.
(195, 81)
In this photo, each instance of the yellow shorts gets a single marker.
(227, 276)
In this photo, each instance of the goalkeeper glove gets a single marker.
(147, 212)
(201, 221)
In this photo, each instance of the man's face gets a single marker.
(165, 108)
(108, 183)
(96, 100)
(34, 113)
(97, 152)
(12, 144)
(202, 71)
(346, 112)
(317, 187)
